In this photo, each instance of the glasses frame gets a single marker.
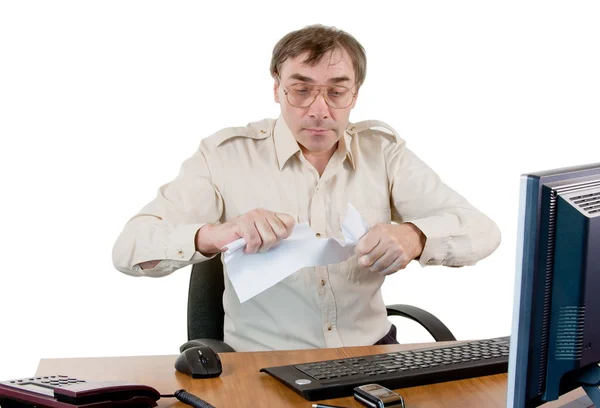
(286, 91)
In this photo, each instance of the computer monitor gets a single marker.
(555, 340)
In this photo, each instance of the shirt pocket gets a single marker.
(377, 215)
(302, 276)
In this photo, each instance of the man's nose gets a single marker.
(319, 108)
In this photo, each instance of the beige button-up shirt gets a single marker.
(261, 166)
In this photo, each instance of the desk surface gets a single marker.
(241, 384)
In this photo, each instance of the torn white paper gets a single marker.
(251, 274)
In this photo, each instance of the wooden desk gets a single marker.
(241, 384)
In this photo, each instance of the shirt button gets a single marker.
(322, 282)
(318, 235)
(180, 253)
(329, 327)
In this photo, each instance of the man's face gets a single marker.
(317, 127)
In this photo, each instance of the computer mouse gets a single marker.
(199, 362)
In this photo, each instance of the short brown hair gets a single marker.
(318, 40)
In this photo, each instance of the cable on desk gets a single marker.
(190, 399)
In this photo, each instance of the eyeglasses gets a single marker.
(304, 95)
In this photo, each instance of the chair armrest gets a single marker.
(432, 324)
(218, 346)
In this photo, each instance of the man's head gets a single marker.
(318, 71)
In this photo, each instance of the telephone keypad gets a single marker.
(48, 381)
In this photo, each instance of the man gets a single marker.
(256, 182)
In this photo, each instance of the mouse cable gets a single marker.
(190, 399)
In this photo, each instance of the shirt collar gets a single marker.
(285, 142)
(286, 145)
(347, 141)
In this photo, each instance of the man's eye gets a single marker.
(336, 93)
(302, 91)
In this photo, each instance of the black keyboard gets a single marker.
(337, 378)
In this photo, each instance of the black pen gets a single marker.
(325, 406)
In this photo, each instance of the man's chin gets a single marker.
(321, 146)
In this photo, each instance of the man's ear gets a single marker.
(276, 90)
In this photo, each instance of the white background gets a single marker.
(100, 103)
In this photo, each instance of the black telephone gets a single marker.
(61, 391)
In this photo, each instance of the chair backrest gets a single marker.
(205, 313)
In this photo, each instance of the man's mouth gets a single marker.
(317, 130)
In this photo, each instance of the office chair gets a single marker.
(205, 314)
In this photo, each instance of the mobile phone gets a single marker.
(376, 396)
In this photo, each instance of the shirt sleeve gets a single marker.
(457, 233)
(165, 229)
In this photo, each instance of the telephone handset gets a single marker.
(61, 391)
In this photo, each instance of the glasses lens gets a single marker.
(339, 96)
(303, 95)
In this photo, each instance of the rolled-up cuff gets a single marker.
(181, 245)
(180, 251)
(437, 231)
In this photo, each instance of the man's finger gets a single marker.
(394, 267)
(288, 221)
(249, 232)
(267, 234)
(278, 227)
(371, 257)
(383, 262)
(367, 243)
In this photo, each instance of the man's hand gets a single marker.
(260, 228)
(387, 248)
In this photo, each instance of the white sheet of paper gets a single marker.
(251, 274)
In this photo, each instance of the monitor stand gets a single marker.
(583, 402)
(590, 381)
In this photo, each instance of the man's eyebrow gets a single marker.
(301, 78)
(335, 80)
